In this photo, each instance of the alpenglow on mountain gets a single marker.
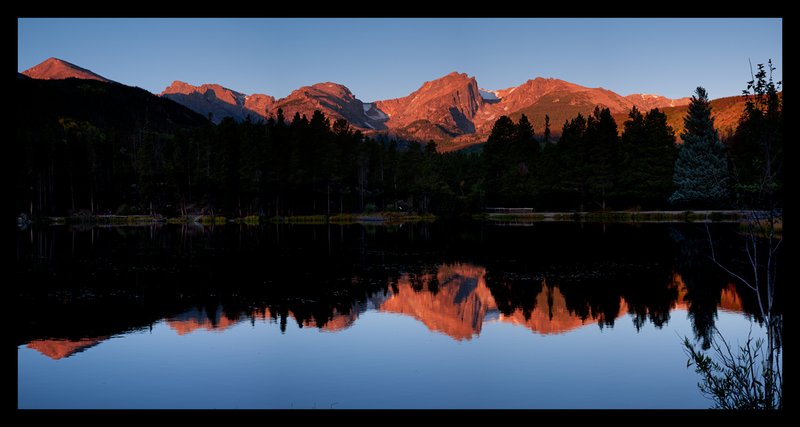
(453, 110)
(58, 69)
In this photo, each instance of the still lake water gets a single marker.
(556, 315)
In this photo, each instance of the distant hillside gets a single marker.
(88, 144)
(106, 105)
(560, 106)
(566, 104)
(726, 112)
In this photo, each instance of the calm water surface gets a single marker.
(558, 315)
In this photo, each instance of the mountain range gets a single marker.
(452, 110)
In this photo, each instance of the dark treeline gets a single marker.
(590, 167)
(105, 157)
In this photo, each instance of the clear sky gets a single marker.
(380, 58)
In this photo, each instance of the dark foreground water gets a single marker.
(557, 315)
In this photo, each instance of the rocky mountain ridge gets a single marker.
(453, 110)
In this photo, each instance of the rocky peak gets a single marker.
(449, 80)
(449, 103)
(218, 101)
(259, 103)
(57, 69)
(334, 100)
(180, 87)
(532, 90)
(334, 89)
(209, 90)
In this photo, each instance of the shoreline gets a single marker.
(392, 218)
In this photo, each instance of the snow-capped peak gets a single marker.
(489, 95)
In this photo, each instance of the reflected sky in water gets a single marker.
(521, 329)
(384, 360)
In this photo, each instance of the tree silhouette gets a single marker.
(756, 148)
(603, 145)
(647, 159)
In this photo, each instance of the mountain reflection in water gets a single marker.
(452, 299)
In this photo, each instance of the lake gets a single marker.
(442, 315)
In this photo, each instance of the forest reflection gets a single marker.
(138, 280)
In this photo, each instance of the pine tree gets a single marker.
(602, 140)
(701, 171)
(647, 161)
(497, 153)
(510, 155)
(520, 180)
(660, 152)
(525, 147)
(573, 159)
(756, 149)
(546, 129)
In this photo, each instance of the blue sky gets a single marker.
(380, 58)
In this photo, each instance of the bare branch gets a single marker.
(714, 258)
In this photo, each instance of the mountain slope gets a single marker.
(726, 112)
(335, 101)
(559, 100)
(112, 106)
(218, 101)
(645, 102)
(80, 142)
(58, 69)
